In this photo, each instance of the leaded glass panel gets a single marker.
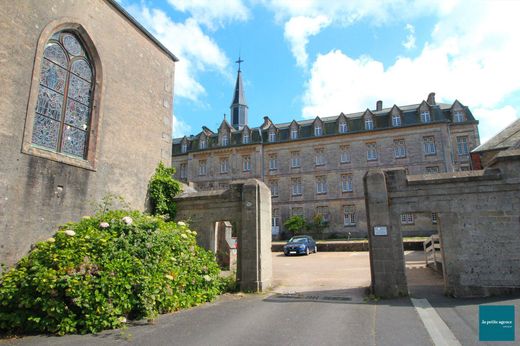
(82, 69)
(63, 105)
(79, 90)
(77, 114)
(49, 103)
(53, 76)
(46, 132)
(73, 141)
(72, 45)
(55, 53)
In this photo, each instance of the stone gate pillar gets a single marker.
(254, 272)
(384, 239)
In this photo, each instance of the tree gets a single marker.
(163, 188)
(295, 224)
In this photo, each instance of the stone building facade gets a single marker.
(317, 166)
(79, 79)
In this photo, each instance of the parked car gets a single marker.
(300, 245)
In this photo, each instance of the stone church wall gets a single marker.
(134, 105)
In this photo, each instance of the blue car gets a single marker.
(300, 245)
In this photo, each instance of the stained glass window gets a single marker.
(62, 116)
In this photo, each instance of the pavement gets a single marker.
(316, 300)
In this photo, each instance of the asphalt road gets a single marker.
(317, 300)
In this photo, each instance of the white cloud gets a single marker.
(179, 128)
(196, 51)
(410, 38)
(472, 56)
(297, 32)
(213, 13)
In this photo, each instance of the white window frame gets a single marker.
(318, 130)
(462, 145)
(320, 157)
(225, 140)
(429, 145)
(246, 163)
(399, 148)
(372, 151)
(224, 165)
(296, 187)
(274, 188)
(407, 219)
(273, 162)
(321, 184)
(369, 124)
(396, 120)
(435, 218)
(426, 117)
(346, 183)
(272, 136)
(294, 133)
(343, 127)
(203, 167)
(245, 138)
(349, 215)
(458, 117)
(323, 210)
(203, 143)
(184, 147)
(345, 154)
(295, 159)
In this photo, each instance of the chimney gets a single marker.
(379, 105)
(431, 99)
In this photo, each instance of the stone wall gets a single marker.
(134, 87)
(479, 222)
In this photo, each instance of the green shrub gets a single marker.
(295, 224)
(99, 272)
(163, 188)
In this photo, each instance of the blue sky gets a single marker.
(305, 58)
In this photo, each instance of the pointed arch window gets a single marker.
(64, 104)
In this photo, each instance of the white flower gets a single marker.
(122, 319)
(127, 220)
(70, 233)
(207, 278)
(180, 223)
(193, 232)
(184, 236)
(168, 277)
(104, 225)
(51, 240)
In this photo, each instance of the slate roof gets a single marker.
(507, 138)
(239, 96)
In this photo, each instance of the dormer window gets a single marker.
(458, 116)
(343, 128)
(369, 123)
(245, 138)
(396, 120)
(318, 130)
(203, 144)
(184, 147)
(426, 117)
(225, 140)
(272, 136)
(294, 133)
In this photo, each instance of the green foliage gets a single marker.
(295, 224)
(99, 272)
(317, 224)
(163, 188)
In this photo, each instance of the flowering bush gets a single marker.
(104, 270)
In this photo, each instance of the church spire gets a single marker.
(238, 105)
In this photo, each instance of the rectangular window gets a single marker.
(396, 120)
(318, 130)
(225, 140)
(321, 184)
(320, 157)
(407, 219)
(344, 154)
(324, 212)
(184, 147)
(273, 162)
(203, 144)
(458, 116)
(224, 165)
(369, 124)
(295, 159)
(434, 218)
(429, 145)
(346, 183)
(294, 133)
(432, 169)
(183, 171)
(349, 215)
(425, 117)
(371, 151)
(343, 128)
(276, 219)
(297, 211)
(245, 138)
(274, 188)
(272, 136)
(202, 167)
(399, 148)
(246, 163)
(462, 145)
(296, 186)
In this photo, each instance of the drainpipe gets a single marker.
(262, 152)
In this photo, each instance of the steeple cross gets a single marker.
(239, 61)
